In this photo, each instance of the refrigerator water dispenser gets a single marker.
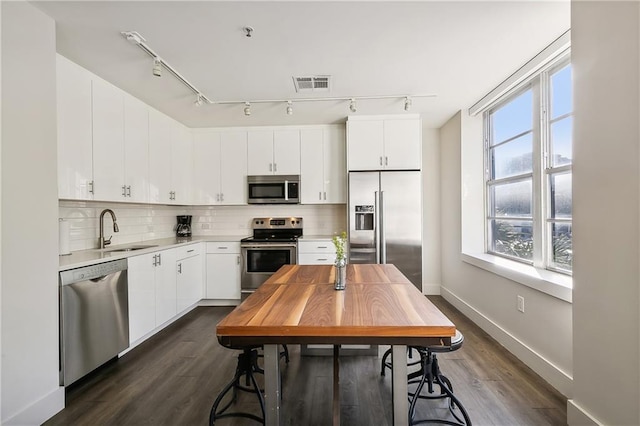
(364, 218)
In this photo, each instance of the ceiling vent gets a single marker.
(316, 83)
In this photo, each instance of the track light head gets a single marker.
(289, 108)
(157, 67)
(133, 37)
(407, 103)
(199, 100)
(247, 109)
(352, 105)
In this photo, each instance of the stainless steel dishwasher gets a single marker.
(94, 317)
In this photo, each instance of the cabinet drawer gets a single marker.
(188, 251)
(316, 258)
(224, 247)
(318, 246)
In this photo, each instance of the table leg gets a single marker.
(336, 385)
(400, 386)
(272, 384)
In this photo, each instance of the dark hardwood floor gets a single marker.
(174, 377)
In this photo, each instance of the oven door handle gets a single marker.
(268, 246)
(286, 190)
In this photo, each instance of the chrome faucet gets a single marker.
(104, 242)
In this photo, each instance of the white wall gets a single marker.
(30, 391)
(605, 57)
(489, 299)
(431, 277)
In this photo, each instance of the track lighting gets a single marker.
(199, 100)
(157, 67)
(247, 108)
(352, 105)
(407, 103)
(289, 108)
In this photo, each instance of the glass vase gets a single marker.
(341, 275)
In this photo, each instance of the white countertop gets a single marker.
(81, 258)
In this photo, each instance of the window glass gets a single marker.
(561, 151)
(512, 119)
(562, 245)
(513, 238)
(561, 195)
(561, 100)
(513, 158)
(512, 199)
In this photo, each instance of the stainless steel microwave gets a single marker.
(273, 189)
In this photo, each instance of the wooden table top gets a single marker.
(299, 305)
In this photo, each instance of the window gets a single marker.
(528, 160)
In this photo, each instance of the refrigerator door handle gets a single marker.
(383, 242)
(376, 232)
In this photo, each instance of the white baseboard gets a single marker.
(431, 289)
(219, 302)
(577, 416)
(40, 411)
(543, 367)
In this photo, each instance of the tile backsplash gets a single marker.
(143, 222)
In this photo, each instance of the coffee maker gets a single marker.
(184, 226)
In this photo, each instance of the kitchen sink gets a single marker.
(131, 248)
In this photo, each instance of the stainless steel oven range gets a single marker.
(273, 244)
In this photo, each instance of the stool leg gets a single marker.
(384, 364)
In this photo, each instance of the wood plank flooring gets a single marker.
(174, 377)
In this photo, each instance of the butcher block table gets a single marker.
(298, 305)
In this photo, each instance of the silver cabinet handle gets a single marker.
(129, 191)
(270, 167)
(325, 195)
(124, 190)
(223, 247)
(386, 160)
(90, 187)
(217, 197)
(179, 268)
(189, 251)
(221, 197)
(275, 167)
(381, 161)
(155, 260)
(321, 246)
(237, 260)
(320, 195)
(159, 259)
(322, 260)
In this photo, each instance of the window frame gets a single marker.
(542, 168)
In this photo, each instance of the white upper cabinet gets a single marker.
(181, 163)
(274, 152)
(384, 143)
(136, 150)
(160, 135)
(108, 141)
(322, 165)
(75, 152)
(220, 168)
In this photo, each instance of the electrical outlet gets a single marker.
(521, 304)
(206, 226)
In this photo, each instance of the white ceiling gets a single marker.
(456, 50)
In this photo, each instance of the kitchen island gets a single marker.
(298, 305)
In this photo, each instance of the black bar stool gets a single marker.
(429, 374)
(247, 366)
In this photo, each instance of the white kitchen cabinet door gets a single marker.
(233, 168)
(108, 141)
(260, 152)
(316, 252)
(136, 150)
(365, 144)
(286, 152)
(206, 170)
(75, 147)
(181, 164)
(402, 144)
(160, 136)
(166, 295)
(312, 166)
(189, 282)
(223, 276)
(142, 296)
(335, 168)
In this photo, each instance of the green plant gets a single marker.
(339, 242)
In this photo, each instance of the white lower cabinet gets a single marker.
(152, 291)
(223, 270)
(316, 252)
(189, 276)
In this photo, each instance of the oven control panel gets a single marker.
(277, 223)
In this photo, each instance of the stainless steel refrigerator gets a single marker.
(385, 220)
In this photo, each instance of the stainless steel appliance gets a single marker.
(94, 317)
(183, 229)
(273, 244)
(385, 220)
(273, 189)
